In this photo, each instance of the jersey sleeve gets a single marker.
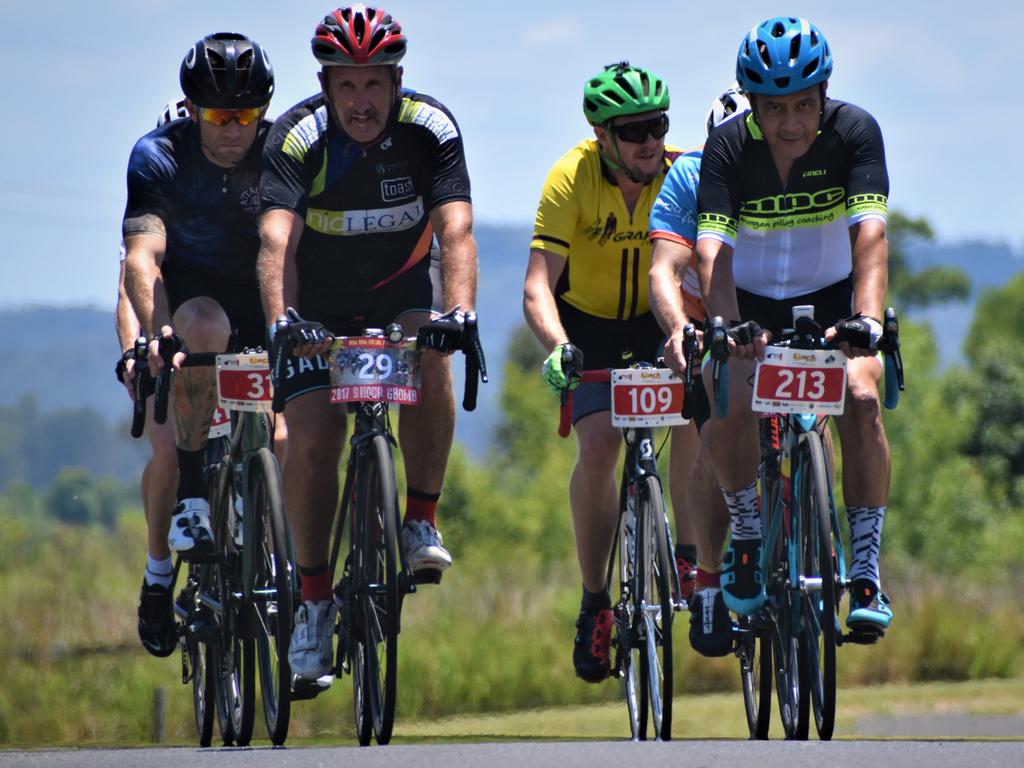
(151, 172)
(451, 176)
(674, 213)
(287, 153)
(557, 212)
(718, 203)
(867, 189)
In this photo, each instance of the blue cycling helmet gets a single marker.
(783, 55)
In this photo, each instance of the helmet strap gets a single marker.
(616, 163)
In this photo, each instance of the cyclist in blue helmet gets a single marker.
(792, 204)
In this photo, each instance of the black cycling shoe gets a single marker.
(591, 649)
(711, 629)
(157, 629)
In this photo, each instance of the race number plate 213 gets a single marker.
(646, 397)
(800, 381)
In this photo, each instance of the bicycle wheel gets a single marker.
(655, 610)
(269, 596)
(755, 655)
(627, 650)
(819, 606)
(235, 683)
(377, 592)
(202, 659)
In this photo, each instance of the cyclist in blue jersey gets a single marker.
(791, 211)
(190, 233)
(359, 180)
(674, 286)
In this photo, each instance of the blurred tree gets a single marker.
(932, 285)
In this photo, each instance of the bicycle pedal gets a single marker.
(303, 690)
(863, 634)
(427, 576)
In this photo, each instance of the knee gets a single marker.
(862, 403)
(203, 324)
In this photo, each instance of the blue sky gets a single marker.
(85, 80)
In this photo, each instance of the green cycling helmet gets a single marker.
(623, 90)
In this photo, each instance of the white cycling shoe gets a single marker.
(311, 651)
(424, 547)
(190, 535)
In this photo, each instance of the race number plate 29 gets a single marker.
(243, 382)
(372, 368)
(646, 397)
(800, 381)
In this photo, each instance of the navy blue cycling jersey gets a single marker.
(210, 213)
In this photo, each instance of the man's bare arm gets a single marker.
(669, 262)
(717, 286)
(280, 230)
(539, 306)
(453, 224)
(870, 267)
(145, 241)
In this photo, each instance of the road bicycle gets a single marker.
(235, 610)
(369, 373)
(792, 640)
(641, 565)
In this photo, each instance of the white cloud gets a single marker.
(552, 31)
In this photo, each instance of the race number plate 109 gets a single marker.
(646, 397)
(372, 368)
(243, 382)
(800, 381)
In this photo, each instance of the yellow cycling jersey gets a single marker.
(583, 218)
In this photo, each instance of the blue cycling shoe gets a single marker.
(742, 582)
(869, 608)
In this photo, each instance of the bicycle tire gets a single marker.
(235, 683)
(627, 655)
(202, 661)
(820, 609)
(655, 609)
(378, 594)
(755, 657)
(779, 615)
(269, 592)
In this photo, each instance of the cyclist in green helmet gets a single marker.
(585, 296)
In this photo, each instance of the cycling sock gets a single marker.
(420, 506)
(865, 541)
(689, 551)
(595, 601)
(744, 515)
(316, 583)
(159, 572)
(191, 484)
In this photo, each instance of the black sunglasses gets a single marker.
(636, 133)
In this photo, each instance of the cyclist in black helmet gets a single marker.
(190, 235)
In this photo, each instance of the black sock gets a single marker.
(191, 483)
(595, 601)
(689, 551)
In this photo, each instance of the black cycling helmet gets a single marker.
(227, 71)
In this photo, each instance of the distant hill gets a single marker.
(65, 357)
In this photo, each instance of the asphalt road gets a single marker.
(580, 754)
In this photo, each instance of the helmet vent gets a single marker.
(360, 25)
(753, 76)
(809, 69)
(778, 30)
(215, 59)
(245, 59)
(782, 82)
(762, 51)
(794, 49)
(627, 86)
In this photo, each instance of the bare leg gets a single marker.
(593, 496)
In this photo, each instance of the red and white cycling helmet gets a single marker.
(358, 35)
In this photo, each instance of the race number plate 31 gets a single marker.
(800, 381)
(372, 368)
(243, 382)
(646, 397)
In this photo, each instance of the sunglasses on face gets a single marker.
(637, 133)
(221, 117)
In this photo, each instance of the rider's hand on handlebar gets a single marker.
(675, 352)
(444, 333)
(747, 340)
(856, 336)
(306, 338)
(156, 361)
(564, 357)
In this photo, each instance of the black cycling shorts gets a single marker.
(607, 343)
(350, 314)
(239, 299)
(831, 304)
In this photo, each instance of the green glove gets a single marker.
(563, 358)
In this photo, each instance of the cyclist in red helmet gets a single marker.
(359, 181)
